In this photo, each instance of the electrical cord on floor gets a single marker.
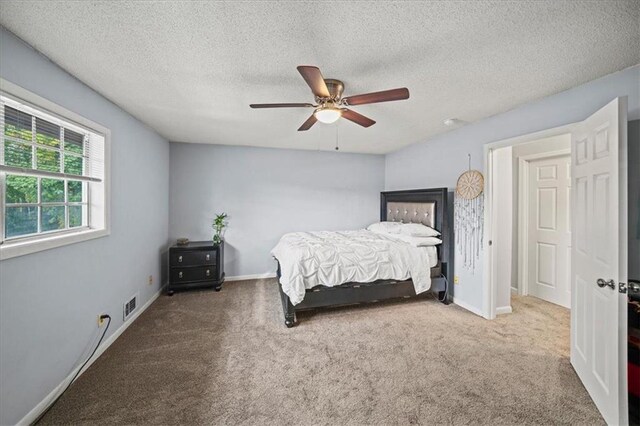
(104, 333)
(446, 287)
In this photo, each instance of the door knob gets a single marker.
(634, 286)
(602, 283)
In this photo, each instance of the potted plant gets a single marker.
(219, 223)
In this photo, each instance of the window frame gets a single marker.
(39, 204)
(97, 204)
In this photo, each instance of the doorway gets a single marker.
(531, 221)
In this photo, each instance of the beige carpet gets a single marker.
(227, 358)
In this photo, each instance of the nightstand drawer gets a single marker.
(193, 258)
(184, 275)
(196, 265)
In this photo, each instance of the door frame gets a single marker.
(489, 261)
(524, 164)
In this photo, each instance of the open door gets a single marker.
(599, 258)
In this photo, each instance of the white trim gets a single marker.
(489, 298)
(523, 214)
(523, 219)
(10, 249)
(251, 277)
(465, 305)
(503, 310)
(44, 404)
(488, 285)
(20, 248)
(500, 271)
(40, 173)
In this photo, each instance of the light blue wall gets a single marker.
(268, 192)
(439, 161)
(49, 301)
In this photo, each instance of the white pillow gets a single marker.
(417, 241)
(385, 227)
(418, 230)
(425, 241)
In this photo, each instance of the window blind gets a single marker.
(48, 130)
(37, 145)
(17, 123)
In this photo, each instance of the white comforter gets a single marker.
(308, 259)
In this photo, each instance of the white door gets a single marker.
(549, 233)
(599, 258)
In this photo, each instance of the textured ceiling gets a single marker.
(189, 69)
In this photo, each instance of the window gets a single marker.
(52, 176)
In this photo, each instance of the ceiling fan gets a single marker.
(330, 105)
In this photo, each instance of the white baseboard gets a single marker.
(251, 277)
(514, 290)
(503, 310)
(44, 404)
(468, 307)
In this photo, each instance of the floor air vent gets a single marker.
(130, 306)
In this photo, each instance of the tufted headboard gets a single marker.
(427, 206)
(411, 212)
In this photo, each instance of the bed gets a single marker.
(403, 277)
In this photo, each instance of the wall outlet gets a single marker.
(456, 279)
(100, 320)
(150, 280)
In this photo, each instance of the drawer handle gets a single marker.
(207, 257)
(179, 274)
(179, 259)
(208, 272)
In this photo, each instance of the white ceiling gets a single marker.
(189, 69)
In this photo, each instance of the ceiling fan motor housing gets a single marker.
(336, 87)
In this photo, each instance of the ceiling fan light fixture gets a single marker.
(328, 114)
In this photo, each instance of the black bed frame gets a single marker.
(355, 293)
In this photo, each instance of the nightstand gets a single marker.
(198, 264)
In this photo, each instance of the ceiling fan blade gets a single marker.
(307, 124)
(280, 105)
(357, 118)
(314, 79)
(375, 97)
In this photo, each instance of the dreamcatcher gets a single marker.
(469, 213)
